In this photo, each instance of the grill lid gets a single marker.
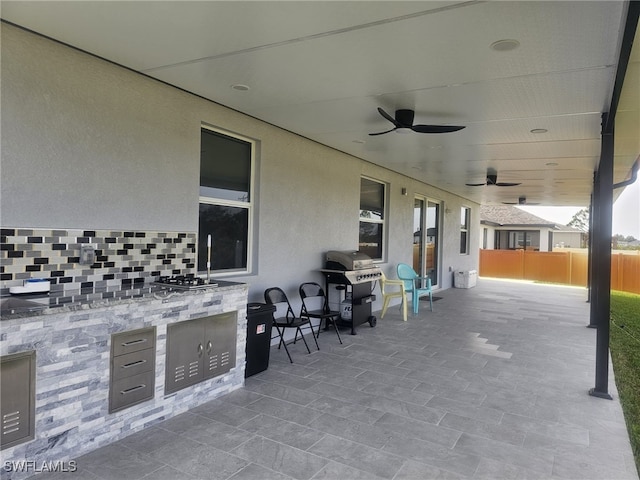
(349, 259)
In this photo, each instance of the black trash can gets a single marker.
(259, 322)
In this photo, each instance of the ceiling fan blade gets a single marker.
(382, 133)
(436, 128)
(506, 184)
(388, 117)
(475, 184)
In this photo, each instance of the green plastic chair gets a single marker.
(412, 283)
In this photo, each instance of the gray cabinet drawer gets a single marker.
(133, 341)
(133, 373)
(133, 363)
(131, 390)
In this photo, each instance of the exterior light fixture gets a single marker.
(505, 45)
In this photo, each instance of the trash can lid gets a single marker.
(257, 307)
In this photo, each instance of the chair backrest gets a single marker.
(275, 296)
(406, 274)
(313, 297)
(385, 282)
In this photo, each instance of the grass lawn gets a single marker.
(625, 354)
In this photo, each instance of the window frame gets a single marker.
(528, 238)
(248, 205)
(382, 222)
(465, 229)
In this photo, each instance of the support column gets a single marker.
(591, 297)
(601, 268)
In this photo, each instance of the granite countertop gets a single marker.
(31, 305)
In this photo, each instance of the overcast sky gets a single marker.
(626, 212)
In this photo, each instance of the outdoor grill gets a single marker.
(355, 267)
(353, 272)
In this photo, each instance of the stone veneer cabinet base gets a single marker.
(72, 370)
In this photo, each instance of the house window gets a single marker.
(524, 240)
(372, 218)
(226, 203)
(465, 214)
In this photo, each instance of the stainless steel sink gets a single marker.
(12, 305)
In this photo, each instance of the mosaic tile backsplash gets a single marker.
(124, 260)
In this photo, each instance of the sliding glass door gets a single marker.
(426, 238)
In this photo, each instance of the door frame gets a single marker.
(422, 270)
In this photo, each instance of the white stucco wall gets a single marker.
(491, 237)
(88, 144)
(566, 240)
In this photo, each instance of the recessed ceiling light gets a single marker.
(539, 130)
(240, 87)
(505, 45)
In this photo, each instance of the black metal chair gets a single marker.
(315, 304)
(284, 318)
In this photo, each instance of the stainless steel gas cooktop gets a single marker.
(184, 282)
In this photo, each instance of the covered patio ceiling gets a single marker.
(322, 69)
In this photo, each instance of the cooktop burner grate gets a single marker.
(184, 282)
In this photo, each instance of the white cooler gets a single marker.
(465, 279)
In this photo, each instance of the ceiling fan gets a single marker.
(521, 201)
(404, 120)
(492, 179)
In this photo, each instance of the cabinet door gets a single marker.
(17, 398)
(185, 352)
(220, 343)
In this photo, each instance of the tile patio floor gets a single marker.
(491, 385)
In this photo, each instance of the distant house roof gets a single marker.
(567, 228)
(507, 215)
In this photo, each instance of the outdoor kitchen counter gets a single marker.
(72, 345)
(34, 305)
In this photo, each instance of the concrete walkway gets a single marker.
(492, 384)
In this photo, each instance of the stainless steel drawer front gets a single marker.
(131, 390)
(133, 363)
(133, 341)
